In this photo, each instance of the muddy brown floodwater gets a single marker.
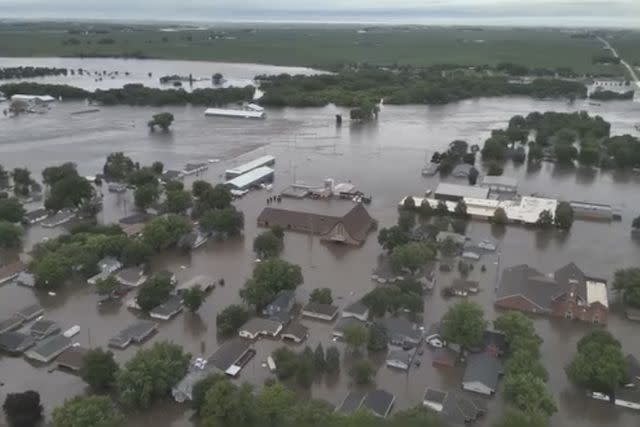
(383, 159)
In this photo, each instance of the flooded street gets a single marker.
(383, 159)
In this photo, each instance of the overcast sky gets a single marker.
(532, 12)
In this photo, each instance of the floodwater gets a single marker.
(109, 73)
(383, 159)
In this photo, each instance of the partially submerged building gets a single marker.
(344, 323)
(10, 271)
(456, 192)
(60, 218)
(295, 332)
(132, 276)
(136, 333)
(402, 332)
(242, 169)
(351, 228)
(378, 402)
(257, 326)
(167, 309)
(482, 373)
(454, 408)
(192, 168)
(30, 312)
(232, 356)
(72, 358)
(280, 308)
(319, 311)
(261, 175)
(48, 349)
(357, 310)
(15, 343)
(569, 293)
(10, 323)
(44, 328)
(36, 216)
(500, 184)
(107, 266)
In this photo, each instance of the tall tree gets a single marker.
(319, 360)
(270, 277)
(23, 409)
(564, 216)
(231, 318)
(627, 281)
(355, 336)
(11, 210)
(274, 403)
(145, 195)
(599, 365)
(333, 360)
(193, 298)
(464, 324)
(99, 369)
(528, 393)
(10, 235)
(267, 245)
(90, 411)
(151, 374)
(362, 372)
(321, 296)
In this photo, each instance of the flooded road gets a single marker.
(383, 159)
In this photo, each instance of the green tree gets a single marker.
(267, 245)
(305, 368)
(406, 220)
(178, 201)
(163, 120)
(411, 256)
(627, 281)
(21, 181)
(4, 177)
(545, 219)
(135, 252)
(442, 209)
(377, 337)
(69, 192)
(599, 365)
(151, 373)
(514, 418)
(193, 298)
(107, 285)
(10, 235)
(51, 271)
(173, 186)
(157, 167)
(461, 210)
(145, 195)
(231, 318)
(218, 197)
(523, 361)
(23, 409)
(362, 372)
(286, 361)
(200, 389)
(11, 210)
(143, 176)
(355, 336)
(227, 221)
(90, 411)
(270, 277)
(118, 167)
(464, 324)
(199, 188)
(499, 217)
(228, 404)
(99, 369)
(449, 247)
(495, 169)
(409, 203)
(319, 361)
(333, 360)
(425, 210)
(274, 403)
(528, 393)
(154, 292)
(564, 216)
(519, 331)
(163, 232)
(392, 237)
(321, 296)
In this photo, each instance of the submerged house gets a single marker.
(482, 373)
(320, 311)
(454, 408)
(351, 228)
(378, 402)
(280, 307)
(569, 293)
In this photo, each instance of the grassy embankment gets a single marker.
(311, 45)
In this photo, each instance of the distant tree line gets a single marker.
(135, 94)
(609, 95)
(28, 72)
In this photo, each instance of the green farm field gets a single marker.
(319, 46)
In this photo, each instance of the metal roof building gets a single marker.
(249, 166)
(257, 176)
(455, 192)
(501, 184)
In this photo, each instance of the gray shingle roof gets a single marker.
(229, 353)
(357, 307)
(483, 368)
(529, 283)
(379, 401)
(324, 309)
(402, 329)
(15, 342)
(49, 347)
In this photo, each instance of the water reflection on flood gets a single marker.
(383, 159)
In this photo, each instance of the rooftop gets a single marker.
(229, 353)
(483, 368)
(257, 325)
(132, 276)
(48, 347)
(72, 358)
(44, 327)
(11, 270)
(30, 311)
(402, 329)
(323, 309)
(204, 281)
(296, 330)
(351, 402)
(15, 342)
(250, 177)
(435, 396)
(356, 307)
(457, 190)
(345, 322)
(249, 166)
(167, 309)
(379, 402)
(10, 323)
(501, 180)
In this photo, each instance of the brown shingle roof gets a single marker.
(357, 222)
(10, 270)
